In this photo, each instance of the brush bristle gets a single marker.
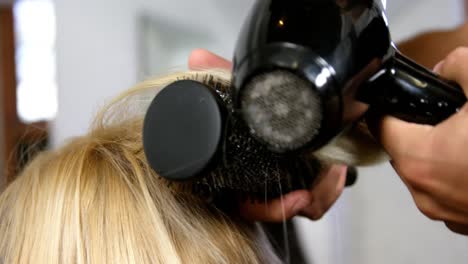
(250, 170)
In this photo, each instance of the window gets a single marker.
(35, 60)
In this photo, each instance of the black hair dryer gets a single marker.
(305, 69)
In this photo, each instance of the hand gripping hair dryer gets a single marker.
(306, 69)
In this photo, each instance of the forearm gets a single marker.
(431, 47)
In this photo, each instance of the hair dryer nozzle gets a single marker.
(285, 93)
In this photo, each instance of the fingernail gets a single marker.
(438, 67)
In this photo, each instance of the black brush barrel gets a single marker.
(192, 136)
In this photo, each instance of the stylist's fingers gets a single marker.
(276, 210)
(455, 66)
(326, 192)
(311, 203)
(400, 138)
(204, 59)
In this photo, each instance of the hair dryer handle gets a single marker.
(412, 93)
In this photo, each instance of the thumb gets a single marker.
(455, 67)
(204, 59)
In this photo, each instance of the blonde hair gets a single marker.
(96, 200)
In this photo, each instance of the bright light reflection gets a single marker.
(35, 60)
(322, 78)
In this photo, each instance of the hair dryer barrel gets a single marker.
(288, 97)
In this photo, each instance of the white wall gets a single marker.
(407, 18)
(98, 47)
(98, 55)
(95, 59)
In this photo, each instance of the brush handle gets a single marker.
(412, 93)
(351, 176)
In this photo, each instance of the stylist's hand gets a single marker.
(433, 161)
(309, 203)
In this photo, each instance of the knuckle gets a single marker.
(454, 58)
(316, 214)
(417, 173)
(428, 209)
(449, 62)
(456, 54)
(460, 52)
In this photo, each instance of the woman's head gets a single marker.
(96, 200)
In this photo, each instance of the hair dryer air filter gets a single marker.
(282, 109)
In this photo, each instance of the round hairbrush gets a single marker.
(192, 136)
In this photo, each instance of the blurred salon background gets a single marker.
(61, 60)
